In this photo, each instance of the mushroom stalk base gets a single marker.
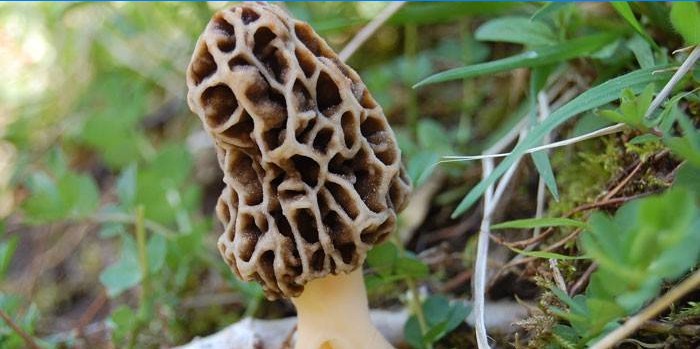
(333, 314)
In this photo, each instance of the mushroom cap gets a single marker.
(312, 169)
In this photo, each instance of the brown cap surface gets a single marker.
(312, 170)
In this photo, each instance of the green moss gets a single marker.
(582, 174)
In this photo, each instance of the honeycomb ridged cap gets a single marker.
(312, 169)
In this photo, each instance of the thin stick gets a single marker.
(558, 278)
(480, 264)
(369, 30)
(578, 285)
(28, 339)
(597, 133)
(649, 312)
(684, 69)
(491, 200)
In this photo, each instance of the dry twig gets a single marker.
(28, 339)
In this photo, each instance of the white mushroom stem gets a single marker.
(333, 314)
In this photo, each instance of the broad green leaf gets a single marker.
(689, 177)
(593, 98)
(383, 257)
(545, 254)
(685, 17)
(412, 333)
(79, 194)
(410, 266)
(684, 148)
(519, 30)
(574, 48)
(623, 8)
(544, 168)
(531, 223)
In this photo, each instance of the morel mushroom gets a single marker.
(312, 170)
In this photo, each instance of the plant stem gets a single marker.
(367, 31)
(28, 339)
(126, 218)
(140, 232)
(415, 305)
(146, 304)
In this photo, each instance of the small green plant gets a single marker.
(440, 317)
(647, 242)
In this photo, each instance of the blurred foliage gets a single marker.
(107, 184)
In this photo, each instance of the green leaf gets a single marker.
(410, 266)
(7, 250)
(421, 165)
(614, 116)
(623, 8)
(574, 48)
(383, 257)
(531, 223)
(595, 97)
(441, 317)
(544, 168)
(412, 333)
(685, 17)
(70, 196)
(45, 203)
(645, 138)
(688, 177)
(432, 135)
(79, 194)
(545, 254)
(642, 51)
(126, 186)
(518, 30)
(156, 248)
(125, 273)
(547, 9)
(124, 320)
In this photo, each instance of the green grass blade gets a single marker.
(534, 58)
(547, 255)
(531, 223)
(624, 10)
(544, 168)
(518, 30)
(593, 98)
